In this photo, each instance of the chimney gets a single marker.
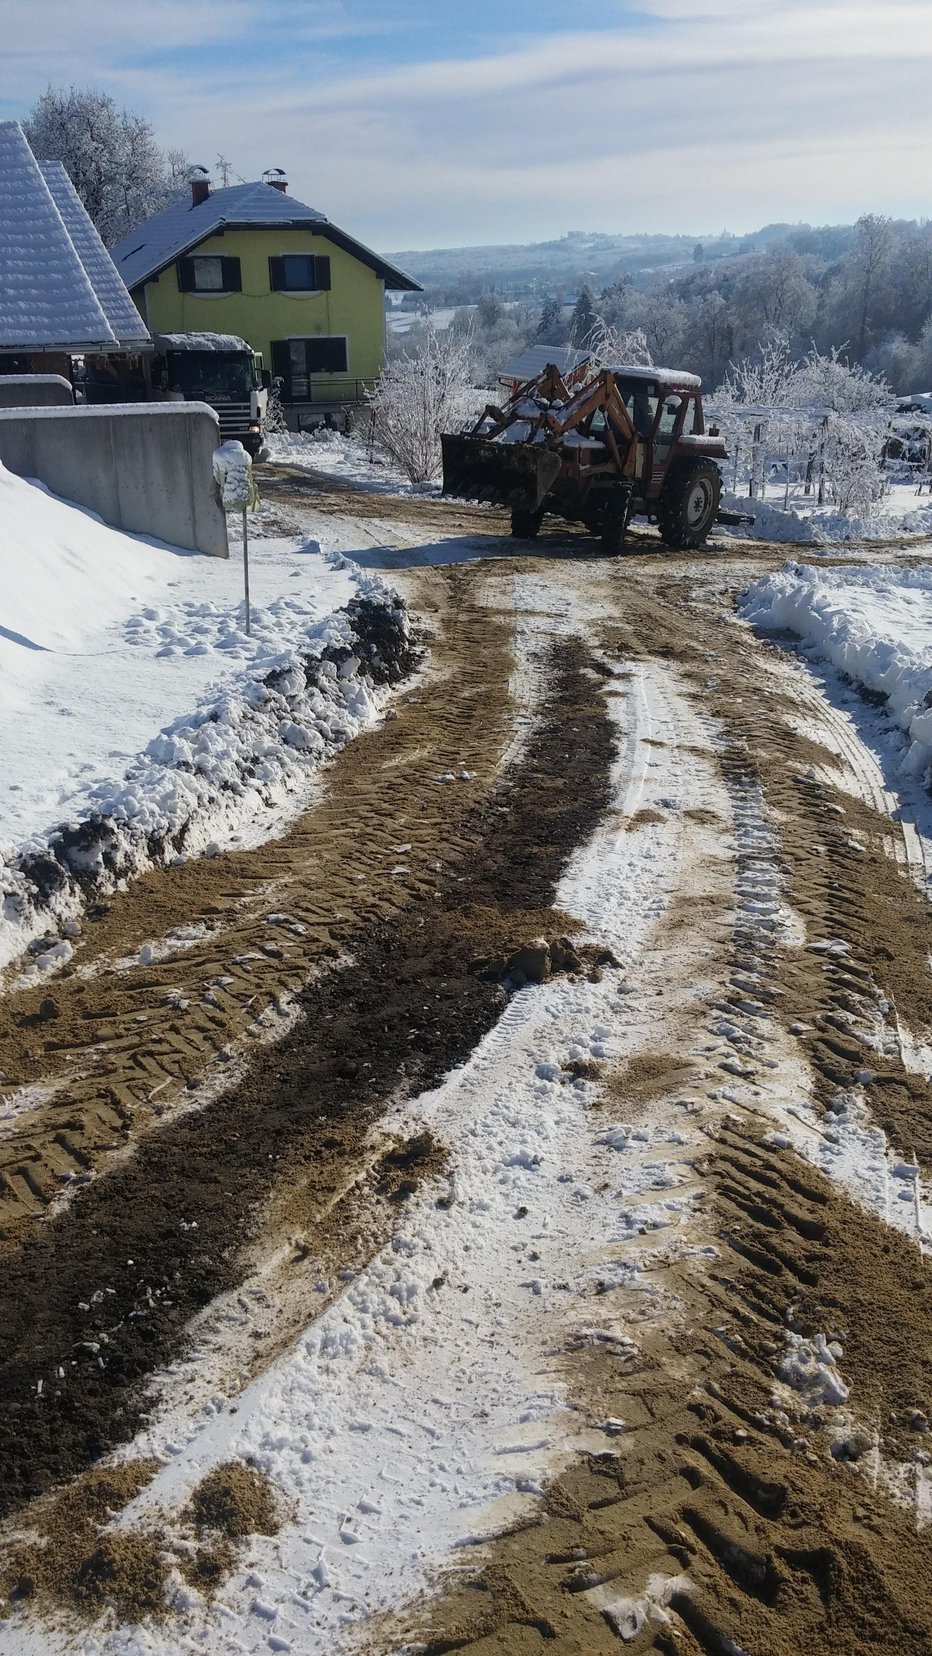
(200, 186)
(275, 177)
(279, 184)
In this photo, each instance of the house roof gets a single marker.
(108, 284)
(536, 358)
(59, 289)
(182, 225)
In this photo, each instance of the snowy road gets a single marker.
(560, 1312)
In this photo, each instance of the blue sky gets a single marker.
(423, 123)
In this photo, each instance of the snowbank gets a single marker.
(875, 624)
(901, 514)
(347, 457)
(140, 722)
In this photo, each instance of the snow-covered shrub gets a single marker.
(854, 477)
(275, 423)
(611, 347)
(425, 391)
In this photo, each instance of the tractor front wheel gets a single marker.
(615, 517)
(689, 502)
(525, 524)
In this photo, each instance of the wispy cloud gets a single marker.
(678, 114)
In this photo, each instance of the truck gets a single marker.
(596, 445)
(221, 370)
(218, 369)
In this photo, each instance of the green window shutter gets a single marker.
(232, 279)
(186, 275)
(322, 268)
(276, 275)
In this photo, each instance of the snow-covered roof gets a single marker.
(105, 279)
(199, 342)
(59, 290)
(536, 358)
(674, 379)
(183, 224)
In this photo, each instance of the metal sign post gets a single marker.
(233, 475)
(246, 573)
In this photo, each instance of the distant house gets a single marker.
(60, 294)
(250, 260)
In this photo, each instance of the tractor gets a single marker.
(596, 446)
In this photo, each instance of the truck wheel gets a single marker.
(688, 503)
(615, 521)
(525, 524)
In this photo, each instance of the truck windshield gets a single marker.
(213, 373)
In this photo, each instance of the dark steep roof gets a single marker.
(182, 225)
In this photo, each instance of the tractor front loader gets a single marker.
(596, 446)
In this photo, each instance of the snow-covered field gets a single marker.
(129, 689)
(901, 514)
(875, 624)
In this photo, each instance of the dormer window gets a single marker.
(209, 273)
(299, 273)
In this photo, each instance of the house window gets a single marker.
(209, 273)
(299, 273)
(299, 361)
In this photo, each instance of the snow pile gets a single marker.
(140, 725)
(811, 1367)
(901, 514)
(353, 459)
(233, 476)
(875, 624)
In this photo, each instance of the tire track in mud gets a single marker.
(718, 1521)
(130, 1041)
(104, 1295)
(845, 865)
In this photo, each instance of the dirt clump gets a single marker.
(75, 1561)
(234, 1501)
(645, 818)
(403, 1169)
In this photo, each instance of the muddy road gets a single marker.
(522, 1164)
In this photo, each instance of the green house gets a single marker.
(252, 261)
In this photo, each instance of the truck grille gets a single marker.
(234, 418)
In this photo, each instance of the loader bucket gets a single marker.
(505, 474)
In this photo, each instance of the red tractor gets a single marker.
(596, 446)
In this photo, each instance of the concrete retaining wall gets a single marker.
(34, 391)
(143, 467)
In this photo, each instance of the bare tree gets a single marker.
(110, 155)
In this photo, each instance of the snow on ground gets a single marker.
(349, 457)
(873, 623)
(129, 688)
(901, 514)
(425, 1405)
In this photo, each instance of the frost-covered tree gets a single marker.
(427, 390)
(110, 155)
(611, 347)
(584, 318)
(552, 329)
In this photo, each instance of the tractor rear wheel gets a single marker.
(688, 504)
(525, 524)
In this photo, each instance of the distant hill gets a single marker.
(457, 275)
